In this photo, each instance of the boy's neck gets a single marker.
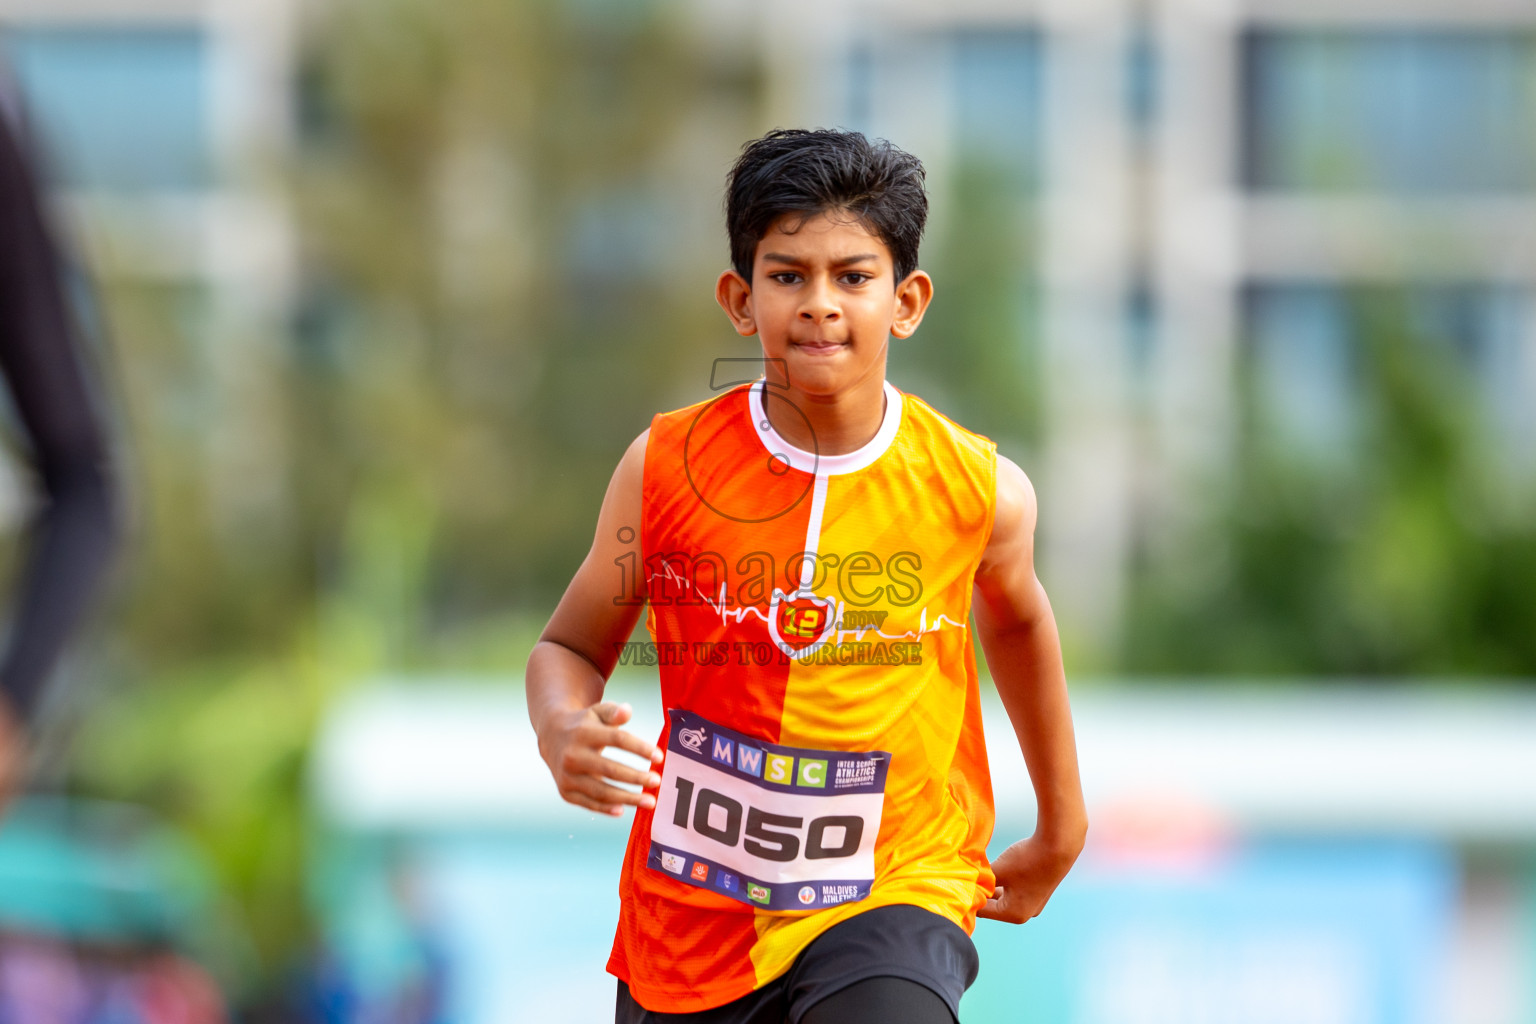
(832, 424)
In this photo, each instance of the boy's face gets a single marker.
(824, 298)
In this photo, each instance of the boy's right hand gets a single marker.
(572, 745)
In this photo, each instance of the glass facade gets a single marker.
(998, 99)
(120, 109)
(1440, 111)
(993, 84)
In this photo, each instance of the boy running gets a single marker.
(810, 845)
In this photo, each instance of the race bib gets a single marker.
(776, 827)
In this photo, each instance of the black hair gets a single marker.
(793, 171)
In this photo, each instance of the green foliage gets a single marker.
(976, 357)
(1410, 554)
(510, 277)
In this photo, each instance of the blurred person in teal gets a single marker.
(73, 535)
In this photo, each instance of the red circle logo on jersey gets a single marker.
(800, 622)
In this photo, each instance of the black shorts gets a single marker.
(887, 942)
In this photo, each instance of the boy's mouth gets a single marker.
(820, 346)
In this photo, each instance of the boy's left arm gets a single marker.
(1018, 635)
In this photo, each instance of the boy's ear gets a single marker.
(912, 297)
(735, 297)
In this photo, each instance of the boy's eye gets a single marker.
(785, 277)
(856, 278)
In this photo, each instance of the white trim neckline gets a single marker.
(826, 465)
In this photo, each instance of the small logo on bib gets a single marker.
(693, 739)
(807, 895)
(759, 893)
(672, 862)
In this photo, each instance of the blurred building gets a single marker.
(1138, 206)
(1207, 187)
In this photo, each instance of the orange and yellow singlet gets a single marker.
(824, 742)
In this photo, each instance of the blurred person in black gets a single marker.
(72, 537)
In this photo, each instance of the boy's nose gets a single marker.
(818, 306)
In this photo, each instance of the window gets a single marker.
(1411, 112)
(998, 98)
(992, 86)
(1301, 362)
(119, 109)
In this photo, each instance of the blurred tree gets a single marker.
(977, 355)
(1414, 555)
(510, 270)
(507, 266)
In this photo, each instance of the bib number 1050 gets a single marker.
(774, 837)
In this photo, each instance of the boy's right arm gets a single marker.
(576, 653)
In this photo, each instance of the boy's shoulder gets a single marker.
(675, 428)
(692, 410)
(926, 417)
